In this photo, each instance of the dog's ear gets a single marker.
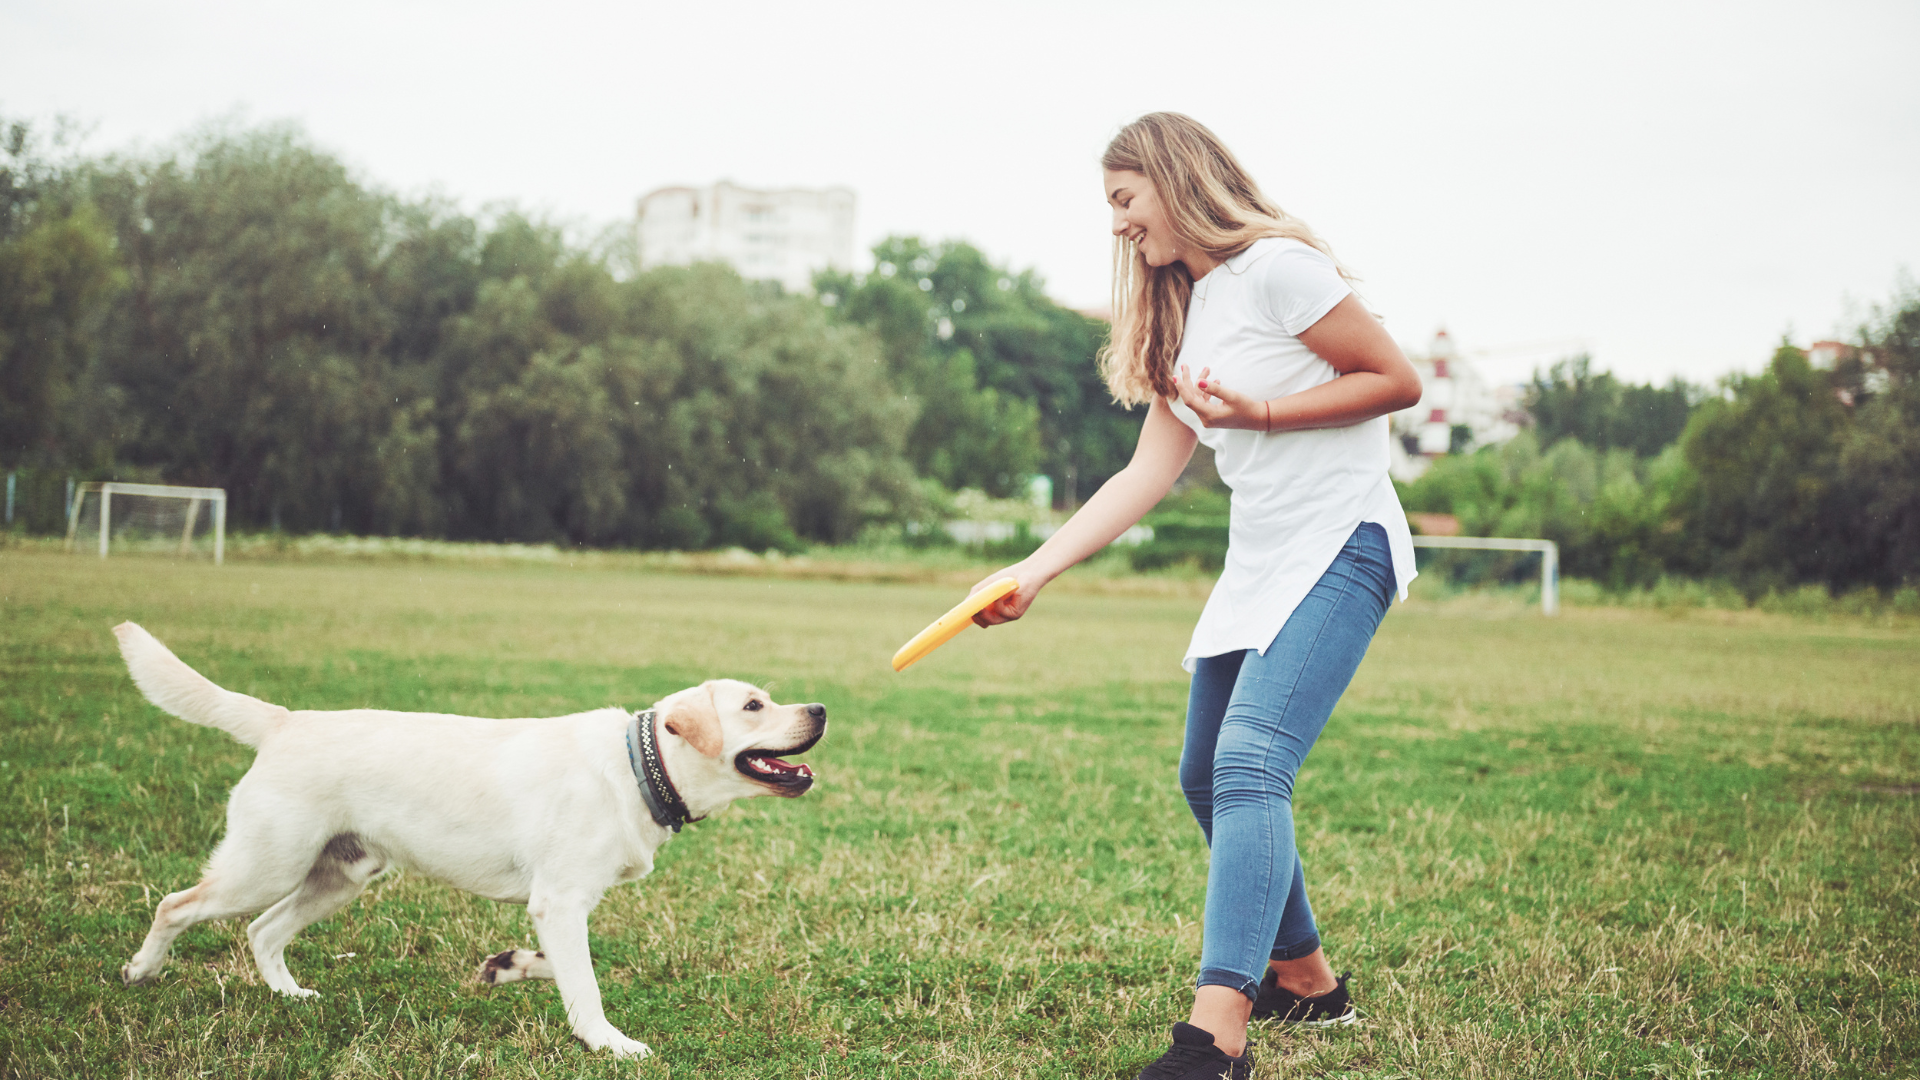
(691, 714)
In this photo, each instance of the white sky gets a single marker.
(1670, 185)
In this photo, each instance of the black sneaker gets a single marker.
(1194, 1057)
(1331, 1009)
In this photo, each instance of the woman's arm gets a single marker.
(1375, 379)
(1164, 449)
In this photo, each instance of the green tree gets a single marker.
(1005, 378)
(1572, 401)
(755, 418)
(1880, 454)
(59, 276)
(683, 408)
(1618, 519)
(524, 411)
(1769, 503)
(254, 336)
(965, 433)
(340, 359)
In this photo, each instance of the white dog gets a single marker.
(546, 813)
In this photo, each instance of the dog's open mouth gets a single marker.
(769, 768)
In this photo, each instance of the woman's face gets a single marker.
(1139, 216)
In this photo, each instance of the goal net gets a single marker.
(1548, 551)
(148, 518)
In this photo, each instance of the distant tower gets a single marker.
(784, 235)
(1453, 398)
(1441, 401)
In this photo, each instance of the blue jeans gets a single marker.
(1250, 721)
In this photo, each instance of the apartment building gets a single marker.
(782, 235)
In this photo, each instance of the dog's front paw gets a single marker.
(633, 1048)
(609, 1038)
(131, 977)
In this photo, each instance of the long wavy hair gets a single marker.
(1211, 204)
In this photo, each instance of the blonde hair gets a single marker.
(1211, 204)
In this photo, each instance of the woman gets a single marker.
(1236, 328)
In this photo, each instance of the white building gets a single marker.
(1453, 396)
(783, 235)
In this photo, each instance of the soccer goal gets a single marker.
(1549, 559)
(158, 518)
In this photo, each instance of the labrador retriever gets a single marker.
(549, 813)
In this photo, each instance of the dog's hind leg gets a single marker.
(514, 965)
(253, 867)
(225, 892)
(176, 912)
(337, 876)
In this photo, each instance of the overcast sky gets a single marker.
(1669, 185)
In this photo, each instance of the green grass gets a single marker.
(1632, 843)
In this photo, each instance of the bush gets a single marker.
(1189, 528)
(40, 500)
(1810, 600)
(1200, 542)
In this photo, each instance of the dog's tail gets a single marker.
(189, 695)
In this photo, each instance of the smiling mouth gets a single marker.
(767, 767)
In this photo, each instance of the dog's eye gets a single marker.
(753, 705)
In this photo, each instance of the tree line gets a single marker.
(240, 311)
(1798, 475)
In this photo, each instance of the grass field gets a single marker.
(1617, 843)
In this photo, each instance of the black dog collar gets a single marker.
(669, 810)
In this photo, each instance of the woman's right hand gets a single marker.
(1014, 604)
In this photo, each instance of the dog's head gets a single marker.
(732, 741)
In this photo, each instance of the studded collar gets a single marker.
(669, 810)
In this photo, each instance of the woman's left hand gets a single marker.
(1216, 405)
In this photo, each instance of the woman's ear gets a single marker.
(691, 714)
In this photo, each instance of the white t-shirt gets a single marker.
(1297, 495)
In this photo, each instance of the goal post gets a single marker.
(214, 500)
(1549, 559)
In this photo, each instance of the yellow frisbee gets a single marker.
(951, 623)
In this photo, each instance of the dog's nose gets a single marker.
(817, 711)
